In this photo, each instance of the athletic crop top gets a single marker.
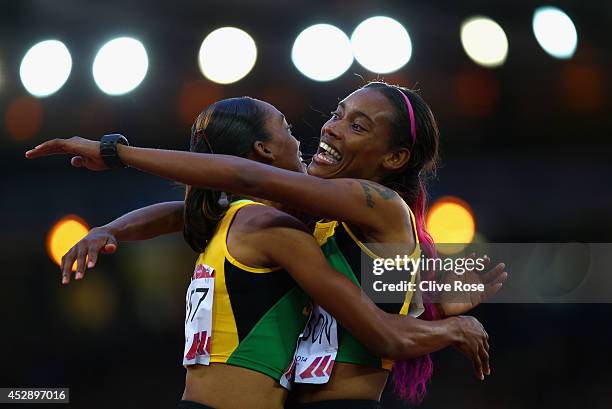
(257, 313)
(343, 251)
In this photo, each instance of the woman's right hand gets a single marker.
(98, 240)
(473, 341)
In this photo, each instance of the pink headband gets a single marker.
(411, 112)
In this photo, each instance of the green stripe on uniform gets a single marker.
(349, 349)
(269, 346)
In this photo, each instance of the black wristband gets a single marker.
(108, 150)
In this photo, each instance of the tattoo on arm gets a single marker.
(368, 195)
(383, 192)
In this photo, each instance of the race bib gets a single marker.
(198, 316)
(317, 348)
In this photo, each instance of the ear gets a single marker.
(262, 153)
(396, 160)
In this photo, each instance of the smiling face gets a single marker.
(284, 147)
(355, 140)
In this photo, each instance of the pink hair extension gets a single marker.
(410, 377)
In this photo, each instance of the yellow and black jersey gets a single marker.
(258, 313)
(343, 250)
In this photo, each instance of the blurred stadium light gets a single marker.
(451, 220)
(120, 66)
(45, 68)
(227, 55)
(484, 41)
(322, 52)
(381, 44)
(65, 234)
(555, 32)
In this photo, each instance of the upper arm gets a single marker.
(364, 203)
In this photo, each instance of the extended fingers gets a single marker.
(494, 273)
(67, 262)
(92, 256)
(52, 147)
(477, 362)
(484, 353)
(484, 358)
(81, 258)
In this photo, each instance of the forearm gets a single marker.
(408, 337)
(219, 172)
(148, 222)
(386, 335)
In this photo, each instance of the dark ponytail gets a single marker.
(228, 127)
(410, 377)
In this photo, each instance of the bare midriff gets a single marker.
(347, 381)
(232, 387)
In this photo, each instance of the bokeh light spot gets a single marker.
(23, 117)
(484, 41)
(63, 235)
(120, 66)
(322, 52)
(555, 32)
(227, 55)
(582, 86)
(381, 44)
(45, 68)
(450, 220)
(478, 91)
(194, 97)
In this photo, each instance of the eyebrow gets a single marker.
(358, 113)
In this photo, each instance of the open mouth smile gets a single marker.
(327, 154)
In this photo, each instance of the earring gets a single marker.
(223, 202)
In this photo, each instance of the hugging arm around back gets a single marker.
(283, 240)
(286, 242)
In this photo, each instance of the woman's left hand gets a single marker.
(491, 280)
(86, 152)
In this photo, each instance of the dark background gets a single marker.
(527, 145)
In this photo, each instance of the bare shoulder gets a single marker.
(258, 233)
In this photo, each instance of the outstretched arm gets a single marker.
(364, 203)
(148, 222)
(140, 224)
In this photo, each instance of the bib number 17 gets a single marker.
(198, 316)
